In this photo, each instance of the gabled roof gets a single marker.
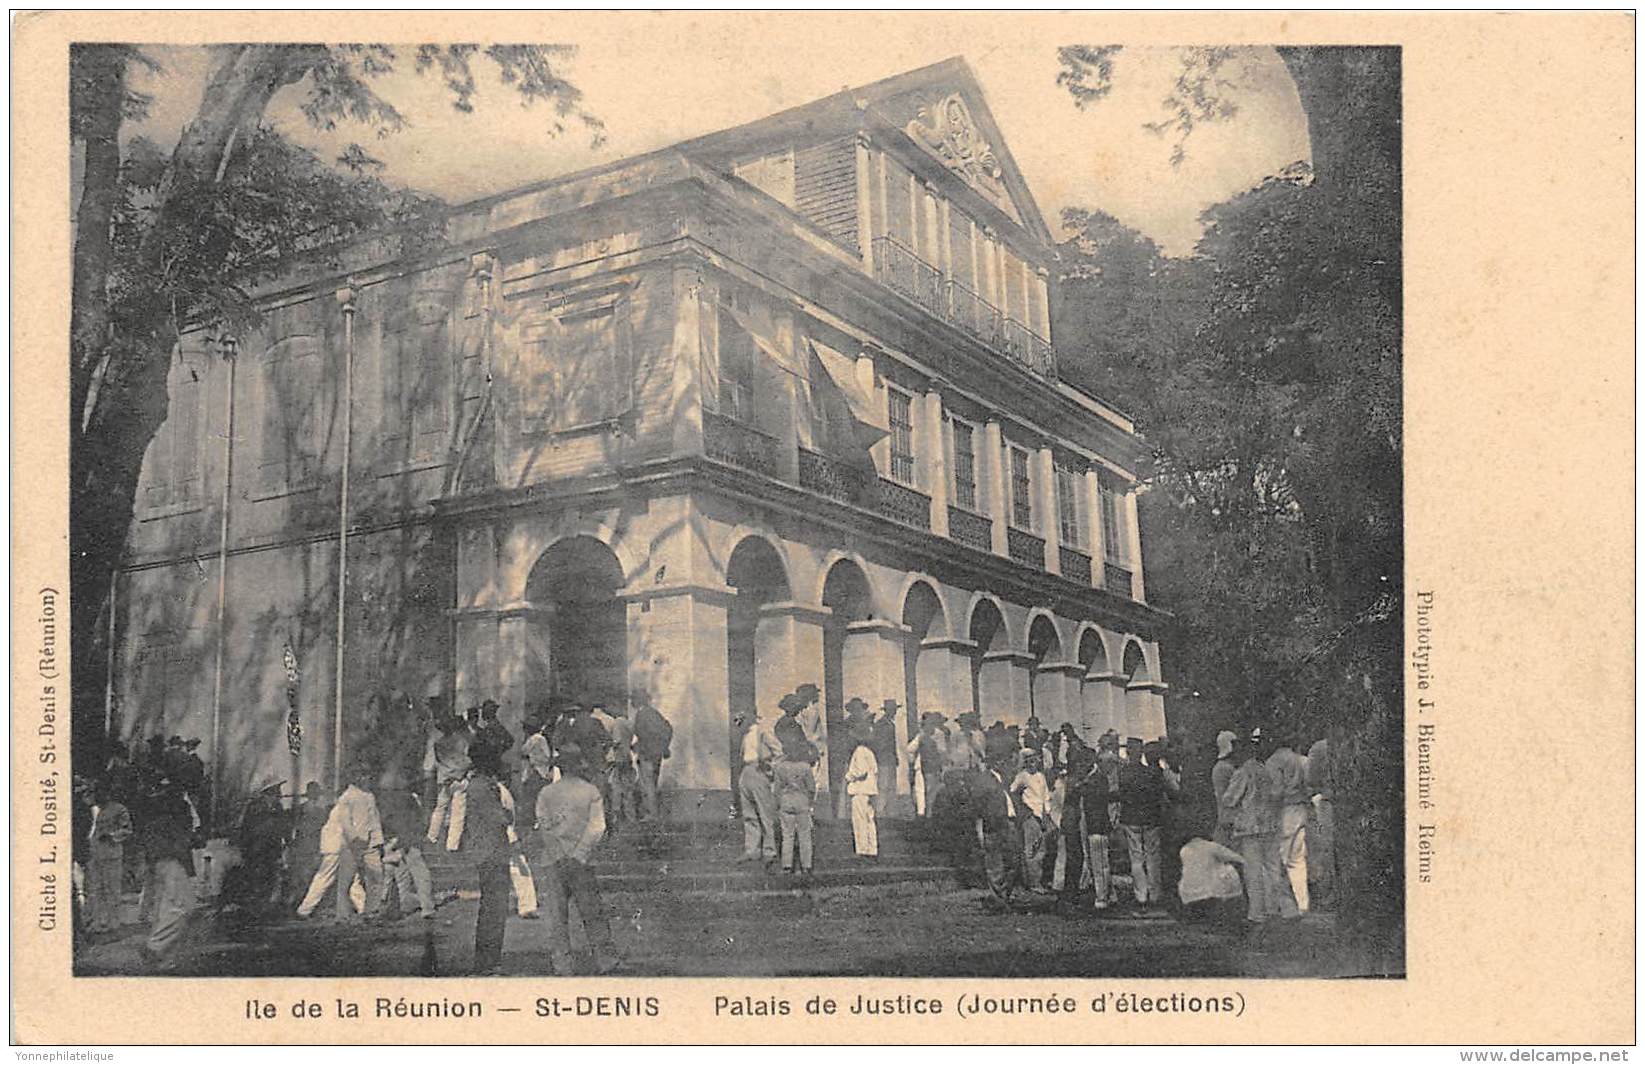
(920, 105)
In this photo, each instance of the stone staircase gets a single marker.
(701, 857)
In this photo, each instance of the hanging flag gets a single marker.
(294, 724)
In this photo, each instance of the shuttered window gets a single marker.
(965, 465)
(417, 384)
(1070, 526)
(959, 241)
(1114, 534)
(902, 436)
(174, 455)
(1022, 494)
(579, 370)
(736, 360)
(899, 205)
(293, 383)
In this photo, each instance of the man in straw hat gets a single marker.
(795, 784)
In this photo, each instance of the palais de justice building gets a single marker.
(776, 405)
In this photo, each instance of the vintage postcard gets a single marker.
(822, 527)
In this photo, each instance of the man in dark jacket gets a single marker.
(1142, 793)
(883, 742)
(404, 822)
(167, 831)
(652, 738)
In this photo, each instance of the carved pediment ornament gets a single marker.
(946, 130)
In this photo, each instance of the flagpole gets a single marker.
(345, 297)
(231, 353)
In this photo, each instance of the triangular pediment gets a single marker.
(942, 110)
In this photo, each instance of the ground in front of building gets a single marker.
(875, 930)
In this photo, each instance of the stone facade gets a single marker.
(773, 406)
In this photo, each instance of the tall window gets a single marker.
(902, 436)
(580, 371)
(292, 414)
(416, 379)
(736, 350)
(1022, 499)
(174, 456)
(965, 466)
(899, 203)
(1070, 528)
(1114, 540)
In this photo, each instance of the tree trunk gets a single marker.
(130, 403)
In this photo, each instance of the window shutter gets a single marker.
(431, 418)
(185, 440)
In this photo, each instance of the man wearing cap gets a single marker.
(883, 731)
(1141, 791)
(759, 802)
(1221, 773)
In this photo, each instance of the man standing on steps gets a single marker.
(796, 785)
(570, 822)
(884, 745)
(652, 737)
(759, 802)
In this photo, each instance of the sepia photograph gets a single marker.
(538, 511)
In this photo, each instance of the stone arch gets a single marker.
(827, 572)
(1044, 634)
(983, 601)
(937, 625)
(757, 573)
(579, 621)
(1091, 649)
(1134, 662)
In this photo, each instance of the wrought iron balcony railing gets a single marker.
(897, 265)
(970, 528)
(1023, 546)
(1116, 579)
(836, 480)
(903, 504)
(730, 441)
(1076, 565)
(1029, 348)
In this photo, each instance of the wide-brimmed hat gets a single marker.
(791, 701)
(890, 704)
(1109, 739)
(970, 718)
(808, 691)
(855, 704)
(933, 716)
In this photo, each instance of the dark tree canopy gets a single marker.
(169, 239)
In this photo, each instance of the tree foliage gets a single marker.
(168, 240)
(1264, 373)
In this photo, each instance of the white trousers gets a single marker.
(864, 830)
(1293, 851)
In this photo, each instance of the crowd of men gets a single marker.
(521, 818)
(1038, 812)
(1035, 813)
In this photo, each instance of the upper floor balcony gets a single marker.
(899, 267)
